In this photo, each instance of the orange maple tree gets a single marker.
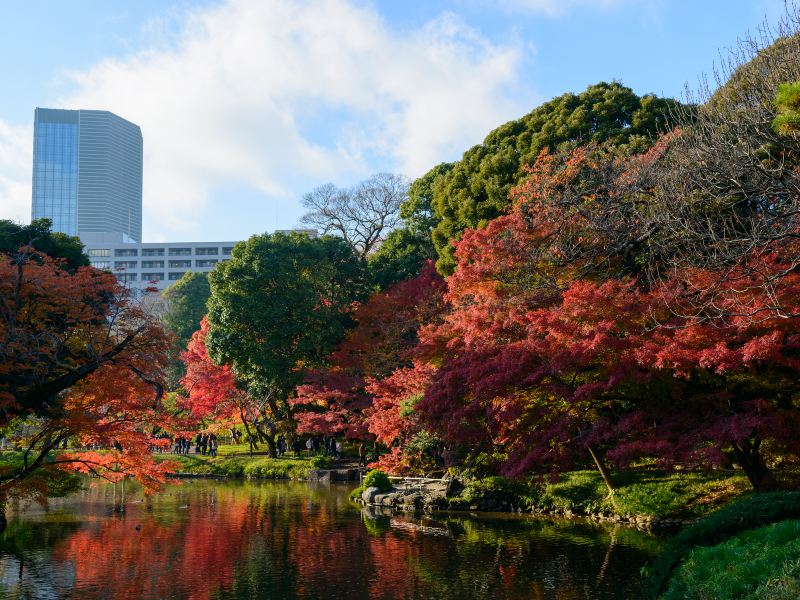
(80, 363)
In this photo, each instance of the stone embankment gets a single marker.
(435, 495)
(429, 494)
(333, 475)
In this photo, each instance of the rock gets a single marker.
(368, 495)
(453, 487)
(411, 500)
(319, 476)
(383, 499)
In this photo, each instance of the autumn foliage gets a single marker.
(349, 395)
(82, 363)
(554, 347)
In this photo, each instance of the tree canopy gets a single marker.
(186, 299)
(39, 235)
(475, 189)
(79, 360)
(280, 305)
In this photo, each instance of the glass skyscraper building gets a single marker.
(87, 172)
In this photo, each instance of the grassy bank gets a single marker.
(648, 493)
(755, 512)
(762, 563)
(235, 461)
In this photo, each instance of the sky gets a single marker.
(245, 105)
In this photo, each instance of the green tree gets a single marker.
(401, 256)
(417, 211)
(405, 250)
(39, 235)
(187, 299)
(475, 190)
(278, 307)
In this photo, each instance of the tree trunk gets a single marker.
(747, 454)
(604, 472)
(251, 439)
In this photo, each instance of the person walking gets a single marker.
(362, 455)
(339, 448)
(310, 446)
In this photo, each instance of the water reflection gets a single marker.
(205, 540)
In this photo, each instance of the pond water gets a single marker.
(222, 539)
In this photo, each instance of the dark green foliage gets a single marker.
(787, 101)
(320, 462)
(417, 211)
(186, 307)
(374, 478)
(280, 305)
(401, 256)
(38, 235)
(762, 563)
(475, 190)
(377, 479)
(187, 299)
(499, 488)
(404, 251)
(749, 513)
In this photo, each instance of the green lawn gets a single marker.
(235, 461)
(645, 492)
(761, 563)
(642, 492)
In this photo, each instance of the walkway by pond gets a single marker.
(209, 540)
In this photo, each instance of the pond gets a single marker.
(207, 539)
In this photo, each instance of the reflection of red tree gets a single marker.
(392, 557)
(196, 556)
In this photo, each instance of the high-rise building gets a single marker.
(87, 172)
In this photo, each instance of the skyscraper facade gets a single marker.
(87, 172)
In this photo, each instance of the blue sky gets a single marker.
(247, 104)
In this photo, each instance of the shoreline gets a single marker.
(646, 499)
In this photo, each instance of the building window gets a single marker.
(152, 264)
(176, 276)
(180, 251)
(126, 252)
(102, 264)
(125, 277)
(152, 277)
(99, 252)
(206, 251)
(152, 252)
(227, 249)
(125, 264)
(180, 264)
(205, 263)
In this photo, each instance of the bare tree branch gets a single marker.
(362, 215)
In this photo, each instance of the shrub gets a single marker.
(374, 478)
(377, 479)
(499, 488)
(320, 462)
(761, 563)
(749, 513)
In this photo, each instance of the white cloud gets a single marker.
(16, 152)
(231, 101)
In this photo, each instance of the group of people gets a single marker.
(205, 444)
